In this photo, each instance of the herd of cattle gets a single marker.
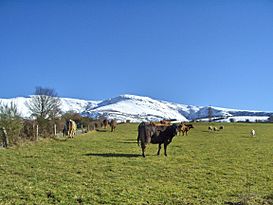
(160, 133)
(70, 126)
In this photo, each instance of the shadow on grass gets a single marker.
(129, 142)
(112, 155)
(234, 203)
(99, 130)
(247, 136)
(60, 139)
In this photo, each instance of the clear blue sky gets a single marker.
(216, 52)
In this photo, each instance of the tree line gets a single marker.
(45, 121)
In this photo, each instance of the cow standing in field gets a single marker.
(221, 127)
(113, 125)
(253, 133)
(148, 133)
(184, 128)
(165, 122)
(65, 129)
(105, 123)
(72, 128)
(215, 129)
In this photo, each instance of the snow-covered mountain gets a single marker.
(67, 104)
(135, 109)
(139, 108)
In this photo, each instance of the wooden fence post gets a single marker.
(34, 133)
(37, 132)
(4, 136)
(55, 130)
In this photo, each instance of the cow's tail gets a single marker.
(138, 140)
(139, 137)
(141, 132)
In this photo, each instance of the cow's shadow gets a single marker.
(129, 142)
(112, 155)
(101, 130)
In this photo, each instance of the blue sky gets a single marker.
(217, 52)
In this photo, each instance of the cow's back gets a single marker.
(145, 132)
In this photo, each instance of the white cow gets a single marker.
(253, 133)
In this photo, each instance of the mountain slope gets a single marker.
(139, 108)
(135, 109)
(67, 104)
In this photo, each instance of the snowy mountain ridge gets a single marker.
(140, 108)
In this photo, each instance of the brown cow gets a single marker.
(148, 133)
(113, 125)
(165, 122)
(184, 128)
(105, 123)
(70, 128)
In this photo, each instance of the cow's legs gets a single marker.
(143, 146)
(159, 148)
(165, 149)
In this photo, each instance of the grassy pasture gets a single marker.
(225, 167)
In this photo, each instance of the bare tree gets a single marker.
(45, 103)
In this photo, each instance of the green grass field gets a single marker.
(225, 167)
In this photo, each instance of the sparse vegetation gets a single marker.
(226, 167)
(45, 108)
(11, 120)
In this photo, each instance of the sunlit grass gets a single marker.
(225, 167)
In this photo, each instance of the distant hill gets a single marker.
(141, 108)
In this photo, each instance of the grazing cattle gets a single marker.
(65, 129)
(165, 122)
(72, 128)
(113, 125)
(148, 133)
(184, 128)
(105, 123)
(215, 129)
(253, 133)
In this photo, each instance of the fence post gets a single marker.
(33, 132)
(5, 138)
(55, 130)
(37, 132)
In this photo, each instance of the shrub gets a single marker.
(10, 119)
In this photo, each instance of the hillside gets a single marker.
(140, 108)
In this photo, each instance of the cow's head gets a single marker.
(174, 129)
